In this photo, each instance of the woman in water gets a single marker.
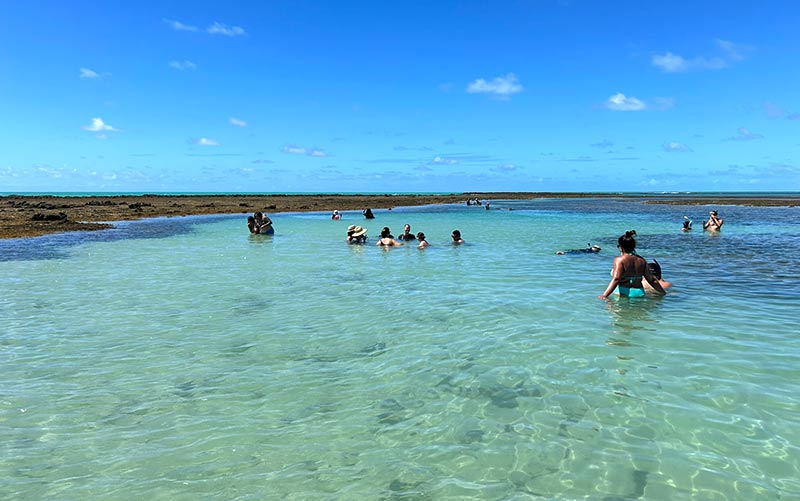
(387, 240)
(629, 270)
(422, 242)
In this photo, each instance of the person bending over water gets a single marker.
(262, 225)
(714, 223)
(422, 242)
(629, 270)
(655, 269)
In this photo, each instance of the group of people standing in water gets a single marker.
(356, 235)
(631, 274)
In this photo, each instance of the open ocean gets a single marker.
(183, 358)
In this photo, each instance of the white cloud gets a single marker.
(502, 87)
(204, 141)
(98, 125)
(224, 29)
(670, 62)
(182, 65)
(674, 63)
(87, 73)
(734, 51)
(443, 161)
(237, 122)
(675, 147)
(621, 102)
(299, 150)
(179, 26)
(744, 134)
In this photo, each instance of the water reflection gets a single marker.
(631, 315)
(56, 246)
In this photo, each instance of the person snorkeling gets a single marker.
(590, 249)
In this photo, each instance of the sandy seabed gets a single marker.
(29, 216)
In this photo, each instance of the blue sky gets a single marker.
(324, 96)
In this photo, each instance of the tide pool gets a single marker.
(184, 358)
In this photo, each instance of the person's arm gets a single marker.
(615, 279)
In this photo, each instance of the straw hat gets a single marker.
(358, 231)
(352, 227)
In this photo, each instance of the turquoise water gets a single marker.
(184, 359)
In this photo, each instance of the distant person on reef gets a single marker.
(368, 213)
(336, 216)
(629, 270)
(406, 235)
(387, 240)
(591, 249)
(457, 240)
(422, 242)
(714, 223)
(687, 224)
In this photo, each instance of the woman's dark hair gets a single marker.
(385, 232)
(456, 233)
(627, 242)
(655, 269)
(420, 236)
(250, 219)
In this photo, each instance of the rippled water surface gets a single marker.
(183, 359)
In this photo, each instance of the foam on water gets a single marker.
(184, 358)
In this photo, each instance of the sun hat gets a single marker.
(358, 231)
(352, 227)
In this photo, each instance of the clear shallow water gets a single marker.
(182, 358)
